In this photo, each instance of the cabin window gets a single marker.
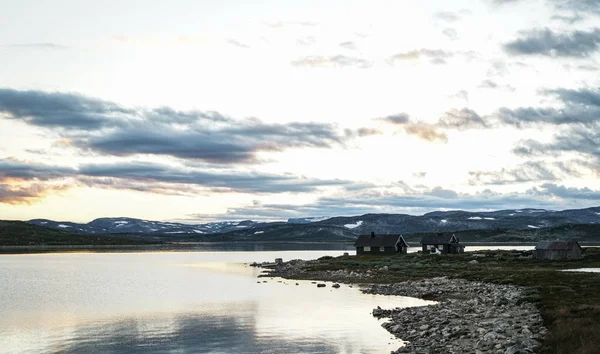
(367, 249)
(381, 249)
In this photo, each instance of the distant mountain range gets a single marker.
(330, 229)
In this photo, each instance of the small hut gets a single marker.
(556, 250)
(380, 244)
(441, 243)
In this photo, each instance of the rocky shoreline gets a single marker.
(469, 317)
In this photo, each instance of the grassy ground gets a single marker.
(569, 302)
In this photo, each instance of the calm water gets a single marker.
(584, 270)
(180, 302)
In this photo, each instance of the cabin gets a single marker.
(556, 250)
(380, 244)
(441, 244)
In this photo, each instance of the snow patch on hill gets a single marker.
(353, 226)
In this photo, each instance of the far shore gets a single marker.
(197, 246)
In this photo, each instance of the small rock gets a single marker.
(321, 285)
(336, 285)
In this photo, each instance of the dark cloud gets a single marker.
(11, 194)
(399, 118)
(575, 44)
(227, 180)
(107, 128)
(15, 170)
(580, 140)
(336, 61)
(584, 6)
(69, 111)
(530, 171)
(159, 178)
(569, 192)
(368, 200)
(579, 107)
(461, 119)
(422, 130)
(585, 97)
(368, 132)
(45, 45)
(570, 19)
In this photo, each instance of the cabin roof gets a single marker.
(557, 245)
(443, 239)
(380, 241)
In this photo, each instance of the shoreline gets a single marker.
(489, 301)
(160, 247)
(468, 316)
(196, 246)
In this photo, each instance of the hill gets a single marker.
(19, 233)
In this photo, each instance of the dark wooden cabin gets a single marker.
(441, 243)
(555, 250)
(380, 244)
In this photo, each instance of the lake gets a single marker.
(181, 302)
(203, 301)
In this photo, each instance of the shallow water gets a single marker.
(182, 302)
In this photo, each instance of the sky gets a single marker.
(199, 111)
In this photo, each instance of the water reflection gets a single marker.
(179, 302)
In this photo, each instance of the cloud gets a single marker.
(282, 24)
(548, 196)
(336, 61)
(238, 44)
(569, 192)
(426, 132)
(237, 181)
(575, 44)
(368, 132)
(15, 170)
(41, 45)
(398, 118)
(436, 56)
(585, 6)
(570, 19)
(461, 119)
(350, 45)
(446, 16)
(107, 128)
(530, 171)
(422, 130)
(69, 111)
(488, 84)
(11, 194)
(450, 33)
(579, 106)
(581, 140)
(159, 178)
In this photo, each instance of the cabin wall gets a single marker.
(557, 254)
